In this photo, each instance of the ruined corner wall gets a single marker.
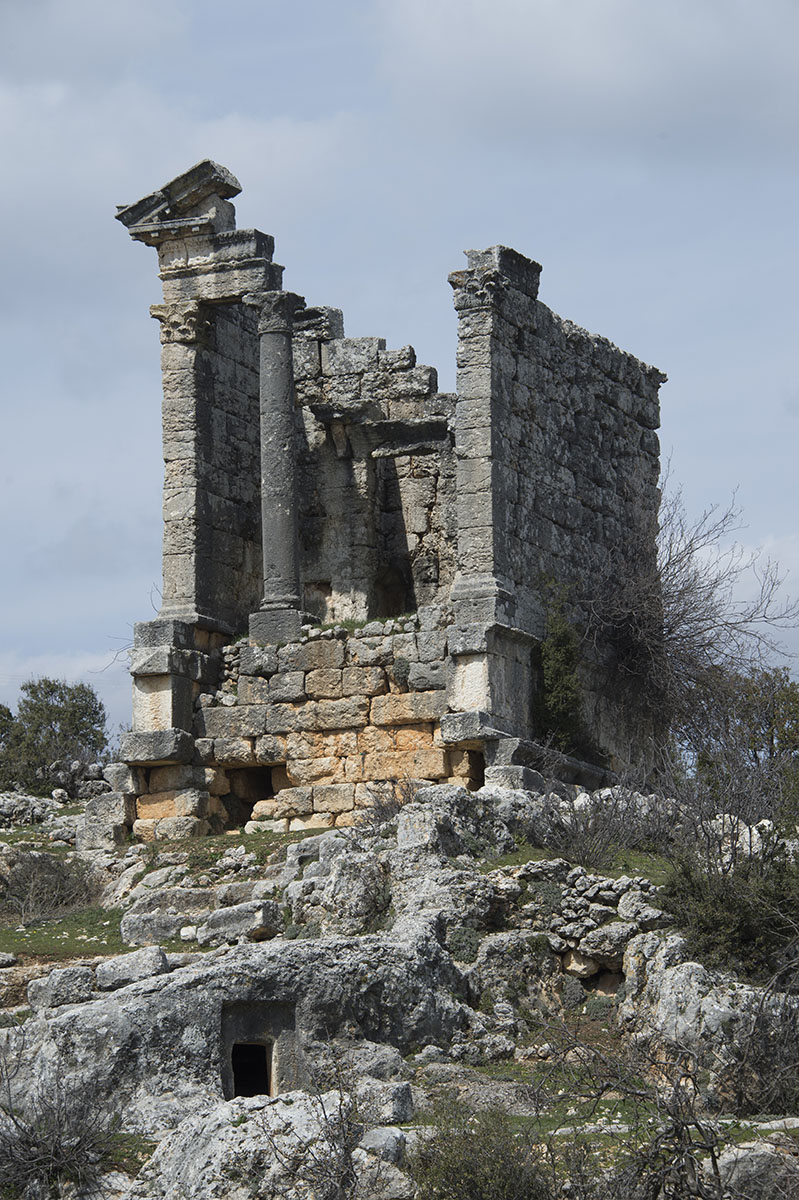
(376, 475)
(557, 477)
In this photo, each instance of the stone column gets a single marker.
(279, 618)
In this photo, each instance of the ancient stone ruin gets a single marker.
(356, 566)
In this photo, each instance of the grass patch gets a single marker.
(202, 853)
(653, 867)
(129, 1152)
(523, 853)
(10, 1020)
(85, 932)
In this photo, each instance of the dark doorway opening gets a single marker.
(252, 1068)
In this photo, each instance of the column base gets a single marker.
(271, 626)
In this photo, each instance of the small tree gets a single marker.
(54, 720)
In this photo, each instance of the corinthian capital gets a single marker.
(184, 322)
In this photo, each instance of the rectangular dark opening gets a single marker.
(252, 1068)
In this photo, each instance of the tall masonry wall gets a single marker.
(356, 566)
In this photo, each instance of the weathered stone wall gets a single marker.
(212, 519)
(557, 472)
(304, 735)
(376, 488)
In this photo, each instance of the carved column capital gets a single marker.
(276, 310)
(185, 322)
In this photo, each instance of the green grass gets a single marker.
(653, 867)
(523, 853)
(8, 1020)
(130, 1151)
(202, 853)
(85, 932)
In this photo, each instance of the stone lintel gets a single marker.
(180, 632)
(470, 730)
(156, 747)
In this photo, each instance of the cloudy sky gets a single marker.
(645, 153)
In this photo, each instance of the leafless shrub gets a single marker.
(386, 799)
(327, 1165)
(61, 1137)
(35, 886)
(592, 829)
(678, 622)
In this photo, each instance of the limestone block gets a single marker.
(346, 819)
(152, 748)
(257, 660)
(253, 690)
(372, 740)
(293, 801)
(306, 358)
(264, 809)
(257, 920)
(216, 781)
(324, 684)
(418, 764)
(287, 687)
(316, 821)
(106, 821)
(427, 676)
(466, 764)
(322, 745)
(285, 718)
(363, 681)
(176, 828)
(468, 683)
(129, 968)
(144, 829)
(408, 708)
(66, 985)
(522, 778)
(123, 778)
(312, 656)
(312, 770)
(203, 751)
(348, 713)
(188, 802)
(368, 651)
(270, 750)
(152, 702)
(242, 721)
(414, 737)
(168, 779)
(234, 751)
(579, 965)
(346, 356)
(269, 826)
(431, 645)
(334, 797)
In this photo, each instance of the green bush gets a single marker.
(481, 1156)
(744, 919)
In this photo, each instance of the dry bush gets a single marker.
(61, 1137)
(35, 886)
(676, 623)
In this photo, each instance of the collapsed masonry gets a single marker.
(356, 566)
